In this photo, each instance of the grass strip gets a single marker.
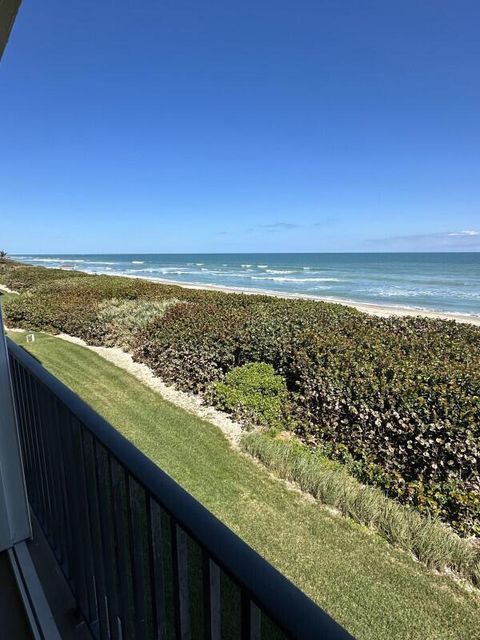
(428, 539)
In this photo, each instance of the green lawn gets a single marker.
(4, 296)
(375, 591)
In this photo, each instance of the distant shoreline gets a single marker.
(389, 285)
(373, 309)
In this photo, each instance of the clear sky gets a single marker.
(241, 125)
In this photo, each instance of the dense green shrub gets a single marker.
(402, 400)
(22, 277)
(72, 303)
(397, 399)
(192, 345)
(252, 392)
(197, 344)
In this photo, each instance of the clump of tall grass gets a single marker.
(122, 319)
(432, 542)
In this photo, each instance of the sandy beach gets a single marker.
(384, 311)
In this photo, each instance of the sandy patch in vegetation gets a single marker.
(187, 401)
(6, 289)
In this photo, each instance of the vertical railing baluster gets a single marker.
(70, 504)
(20, 400)
(36, 480)
(76, 513)
(42, 399)
(89, 462)
(156, 548)
(56, 455)
(90, 611)
(175, 578)
(104, 486)
(245, 616)
(206, 595)
(122, 546)
(41, 465)
(182, 559)
(214, 599)
(51, 461)
(59, 422)
(255, 622)
(57, 479)
(34, 488)
(138, 551)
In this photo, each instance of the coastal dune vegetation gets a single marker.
(387, 407)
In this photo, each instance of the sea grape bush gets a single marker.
(192, 345)
(397, 399)
(70, 302)
(22, 277)
(400, 398)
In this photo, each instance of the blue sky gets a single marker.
(175, 125)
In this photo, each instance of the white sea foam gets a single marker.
(61, 260)
(161, 270)
(68, 261)
(302, 280)
(229, 274)
(440, 288)
(393, 292)
(279, 271)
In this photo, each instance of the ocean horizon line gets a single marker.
(221, 253)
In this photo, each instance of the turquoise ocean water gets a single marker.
(434, 281)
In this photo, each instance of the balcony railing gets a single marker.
(142, 557)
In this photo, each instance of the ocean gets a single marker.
(448, 282)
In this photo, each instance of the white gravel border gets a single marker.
(190, 402)
(6, 289)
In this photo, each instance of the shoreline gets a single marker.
(373, 309)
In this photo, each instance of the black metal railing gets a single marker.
(143, 558)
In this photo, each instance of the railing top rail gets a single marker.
(281, 600)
